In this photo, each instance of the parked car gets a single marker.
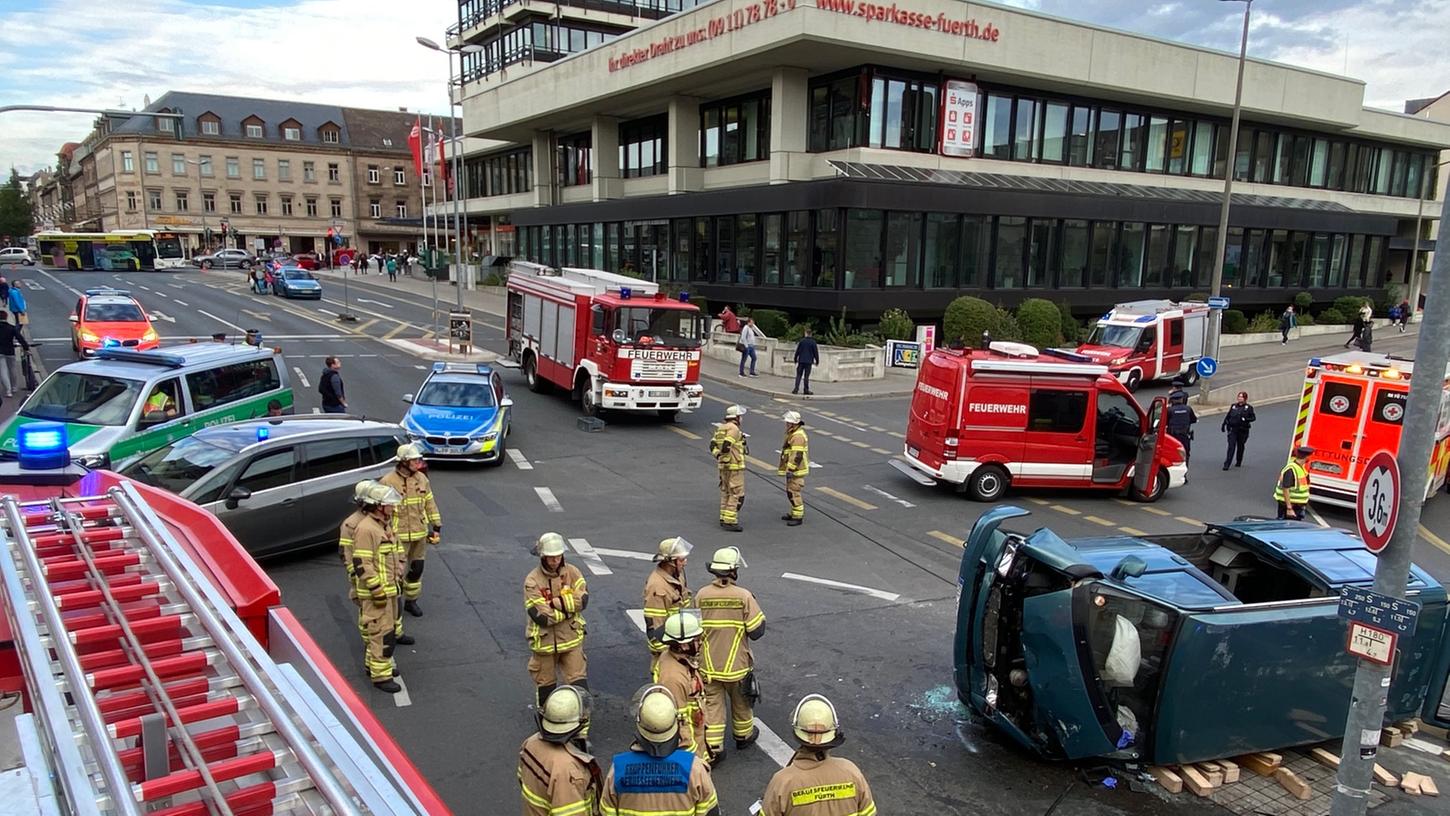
(1173, 649)
(294, 282)
(226, 259)
(279, 484)
(305, 260)
(110, 318)
(17, 255)
(460, 412)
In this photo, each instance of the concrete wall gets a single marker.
(775, 356)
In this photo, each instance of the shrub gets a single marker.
(965, 320)
(1263, 322)
(1304, 319)
(1303, 301)
(1349, 306)
(1071, 328)
(1234, 322)
(1391, 297)
(1197, 297)
(493, 279)
(1007, 326)
(896, 324)
(771, 322)
(798, 330)
(1332, 316)
(1040, 322)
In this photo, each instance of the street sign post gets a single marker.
(1376, 623)
(1377, 506)
(1207, 366)
(1218, 303)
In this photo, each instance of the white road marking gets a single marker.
(637, 616)
(547, 497)
(591, 558)
(62, 284)
(162, 316)
(813, 464)
(176, 286)
(518, 459)
(179, 302)
(221, 321)
(882, 493)
(257, 315)
(301, 377)
(34, 285)
(420, 367)
(378, 302)
(139, 286)
(316, 410)
(875, 593)
(400, 697)
(638, 556)
(1314, 514)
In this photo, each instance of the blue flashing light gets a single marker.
(482, 368)
(42, 446)
(438, 368)
(1144, 319)
(1314, 361)
(110, 342)
(263, 433)
(625, 292)
(684, 297)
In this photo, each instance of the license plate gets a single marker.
(445, 449)
(662, 394)
(912, 451)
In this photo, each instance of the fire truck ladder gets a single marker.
(153, 695)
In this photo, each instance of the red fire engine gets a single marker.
(1148, 340)
(984, 419)
(614, 342)
(158, 670)
(1353, 407)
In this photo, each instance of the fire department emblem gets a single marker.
(1393, 411)
(1340, 404)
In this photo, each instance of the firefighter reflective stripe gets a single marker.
(1299, 492)
(728, 446)
(795, 459)
(566, 628)
(823, 793)
(373, 559)
(727, 611)
(418, 512)
(345, 548)
(663, 595)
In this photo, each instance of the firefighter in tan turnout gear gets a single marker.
(417, 523)
(657, 776)
(374, 560)
(814, 783)
(679, 672)
(345, 535)
(558, 776)
(729, 448)
(555, 596)
(665, 592)
(731, 618)
(795, 465)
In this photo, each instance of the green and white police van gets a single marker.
(124, 402)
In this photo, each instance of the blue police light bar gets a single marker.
(684, 297)
(106, 290)
(625, 292)
(110, 342)
(262, 434)
(42, 446)
(1144, 319)
(438, 368)
(1314, 361)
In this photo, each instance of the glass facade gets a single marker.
(644, 146)
(734, 131)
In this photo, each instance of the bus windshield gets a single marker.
(680, 328)
(1109, 335)
(168, 247)
(93, 399)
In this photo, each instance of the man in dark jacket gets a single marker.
(1236, 424)
(807, 354)
(330, 387)
(1180, 419)
(9, 336)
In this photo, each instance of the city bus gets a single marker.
(106, 251)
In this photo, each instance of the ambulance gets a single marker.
(1009, 415)
(1146, 340)
(1353, 406)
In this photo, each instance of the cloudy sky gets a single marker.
(361, 52)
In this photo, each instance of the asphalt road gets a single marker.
(879, 647)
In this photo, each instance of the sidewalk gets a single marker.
(1274, 372)
(898, 382)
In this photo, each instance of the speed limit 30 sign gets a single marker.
(1378, 503)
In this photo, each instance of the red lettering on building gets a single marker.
(716, 26)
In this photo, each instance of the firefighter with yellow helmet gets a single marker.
(557, 775)
(795, 464)
(731, 618)
(417, 523)
(665, 592)
(345, 534)
(374, 561)
(814, 783)
(679, 671)
(555, 596)
(657, 776)
(729, 448)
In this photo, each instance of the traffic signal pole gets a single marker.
(1392, 571)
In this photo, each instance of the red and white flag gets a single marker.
(415, 145)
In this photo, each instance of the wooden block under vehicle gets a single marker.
(1384, 777)
(1391, 737)
(1230, 771)
(1195, 781)
(1290, 781)
(1324, 756)
(1263, 763)
(1171, 782)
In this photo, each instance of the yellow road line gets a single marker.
(1192, 522)
(882, 451)
(852, 500)
(1155, 511)
(1043, 502)
(1133, 531)
(1434, 539)
(393, 332)
(760, 463)
(940, 536)
(682, 432)
(1096, 520)
(861, 444)
(878, 429)
(1065, 509)
(710, 396)
(364, 327)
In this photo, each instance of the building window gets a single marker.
(309, 171)
(153, 164)
(375, 208)
(204, 164)
(1105, 150)
(863, 248)
(576, 158)
(261, 202)
(399, 177)
(130, 201)
(336, 207)
(334, 174)
(284, 170)
(208, 202)
(1011, 243)
(234, 167)
(1024, 130)
(259, 168)
(387, 141)
(128, 162)
(153, 200)
(211, 127)
(330, 135)
(836, 114)
(178, 164)
(311, 207)
(183, 201)
(903, 249)
(254, 131)
(166, 124)
(735, 131)
(643, 146)
(235, 202)
(373, 174)
(286, 205)
(1054, 132)
(997, 127)
(400, 209)
(292, 134)
(499, 174)
(1080, 137)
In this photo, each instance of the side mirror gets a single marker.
(74, 318)
(506, 402)
(237, 496)
(1130, 567)
(619, 336)
(407, 398)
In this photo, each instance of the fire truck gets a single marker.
(1146, 340)
(1352, 407)
(613, 342)
(158, 672)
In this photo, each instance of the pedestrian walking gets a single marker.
(807, 355)
(795, 465)
(729, 322)
(418, 524)
(1357, 329)
(1291, 493)
(1286, 322)
(329, 385)
(729, 448)
(1366, 337)
(814, 783)
(555, 596)
(557, 775)
(15, 303)
(392, 268)
(373, 562)
(9, 373)
(731, 619)
(1181, 419)
(749, 337)
(1236, 425)
(656, 776)
(665, 592)
(679, 673)
(1405, 314)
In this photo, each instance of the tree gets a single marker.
(16, 219)
(967, 317)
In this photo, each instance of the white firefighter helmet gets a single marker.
(409, 452)
(657, 718)
(792, 417)
(682, 627)
(361, 489)
(549, 544)
(735, 412)
(726, 559)
(564, 714)
(814, 721)
(381, 494)
(673, 547)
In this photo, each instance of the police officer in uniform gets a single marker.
(665, 592)
(657, 777)
(373, 562)
(814, 783)
(679, 673)
(731, 618)
(1236, 424)
(555, 596)
(557, 776)
(1292, 491)
(795, 463)
(418, 524)
(1181, 419)
(729, 449)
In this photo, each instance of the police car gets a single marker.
(460, 413)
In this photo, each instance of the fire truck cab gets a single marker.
(985, 419)
(1147, 340)
(1353, 406)
(615, 342)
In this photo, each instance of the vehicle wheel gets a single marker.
(531, 375)
(987, 483)
(669, 414)
(28, 263)
(206, 264)
(1160, 486)
(246, 264)
(587, 403)
(1135, 379)
(1192, 376)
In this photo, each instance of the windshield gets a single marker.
(1109, 335)
(297, 274)
(94, 399)
(168, 247)
(113, 313)
(179, 465)
(667, 327)
(456, 395)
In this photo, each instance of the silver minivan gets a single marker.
(279, 484)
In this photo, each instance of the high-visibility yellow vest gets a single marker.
(1299, 493)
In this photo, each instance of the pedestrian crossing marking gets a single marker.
(682, 432)
(947, 537)
(590, 557)
(851, 500)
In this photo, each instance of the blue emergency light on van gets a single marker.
(42, 446)
(262, 434)
(625, 292)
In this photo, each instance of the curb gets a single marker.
(786, 395)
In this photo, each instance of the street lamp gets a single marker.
(1221, 243)
(457, 152)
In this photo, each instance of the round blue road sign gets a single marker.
(1207, 367)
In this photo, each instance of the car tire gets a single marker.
(28, 263)
(587, 403)
(206, 264)
(1134, 381)
(1191, 378)
(1160, 486)
(245, 264)
(531, 375)
(988, 483)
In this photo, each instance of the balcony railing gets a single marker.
(646, 9)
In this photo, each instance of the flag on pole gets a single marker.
(415, 145)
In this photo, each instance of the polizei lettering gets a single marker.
(995, 408)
